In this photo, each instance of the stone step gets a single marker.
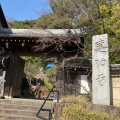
(25, 102)
(21, 112)
(17, 117)
(20, 107)
(23, 109)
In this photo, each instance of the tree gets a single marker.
(51, 21)
(111, 17)
(22, 24)
(32, 65)
(93, 17)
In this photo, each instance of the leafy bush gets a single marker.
(51, 74)
(48, 85)
(80, 100)
(77, 112)
(74, 112)
(98, 116)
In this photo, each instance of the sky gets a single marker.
(24, 9)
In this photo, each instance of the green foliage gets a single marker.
(38, 61)
(47, 21)
(112, 21)
(48, 85)
(51, 74)
(79, 100)
(51, 21)
(76, 110)
(102, 18)
(66, 8)
(98, 116)
(32, 65)
(22, 24)
(94, 16)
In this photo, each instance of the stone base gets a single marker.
(8, 96)
(57, 111)
(109, 109)
(58, 108)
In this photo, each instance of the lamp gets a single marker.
(23, 44)
(7, 44)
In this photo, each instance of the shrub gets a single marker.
(98, 116)
(76, 112)
(48, 85)
(80, 100)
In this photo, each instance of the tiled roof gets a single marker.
(39, 33)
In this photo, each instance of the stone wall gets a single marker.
(109, 109)
(115, 83)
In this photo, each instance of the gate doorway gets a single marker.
(22, 42)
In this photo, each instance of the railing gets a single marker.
(49, 110)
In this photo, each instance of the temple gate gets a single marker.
(21, 42)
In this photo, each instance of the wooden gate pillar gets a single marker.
(14, 76)
(59, 78)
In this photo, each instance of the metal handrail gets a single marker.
(37, 115)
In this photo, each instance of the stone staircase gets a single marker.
(22, 109)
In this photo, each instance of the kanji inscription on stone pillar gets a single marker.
(100, 70)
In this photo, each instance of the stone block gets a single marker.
(109, 109)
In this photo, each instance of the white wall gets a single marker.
(3, 76)
(84, 85)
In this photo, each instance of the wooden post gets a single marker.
(14, 76)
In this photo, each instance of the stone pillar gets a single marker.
(100, 70)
